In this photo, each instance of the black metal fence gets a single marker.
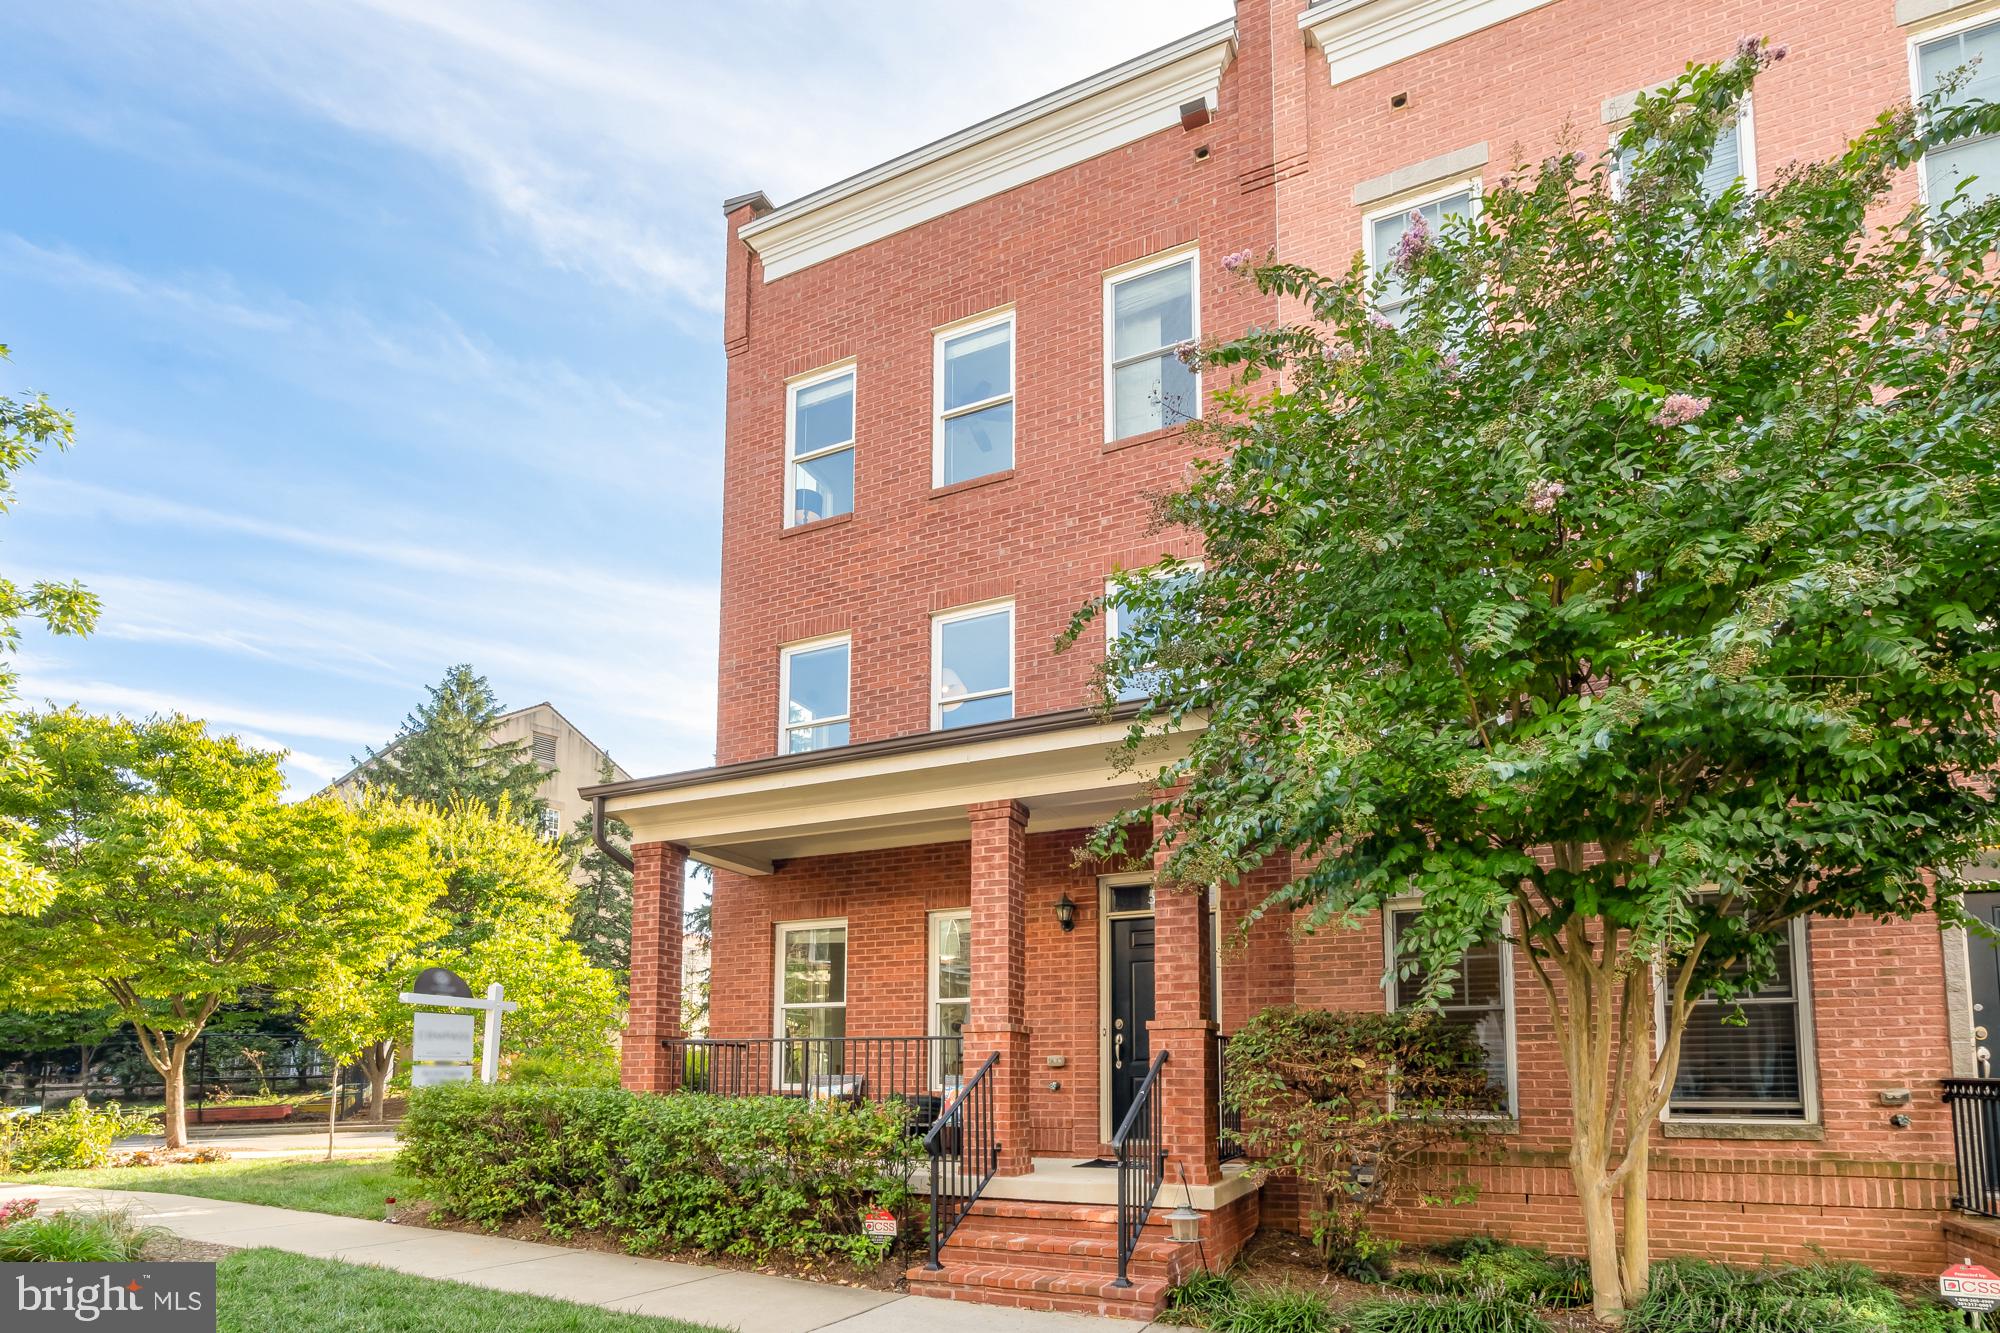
(919, 1072)
(224, 1068)
(1228, 1119)
(1141, 1147)
(1975, 1134)
(964, 1150)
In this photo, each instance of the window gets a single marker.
(1732, 159)
(1482, 997)
(972, 667)
(1934, 59)
(550, 822)
(951, 990)
(1760, 1070)
(812, 996)
(812, 682)
(1119, 621)
(544, 749)
(1148, 313)
(975, 400)
(1384, 230)
(819, 447)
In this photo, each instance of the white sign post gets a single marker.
(442, 1049)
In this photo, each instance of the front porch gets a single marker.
(913, 924)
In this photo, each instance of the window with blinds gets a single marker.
(1481, 998)
(1756, 1069)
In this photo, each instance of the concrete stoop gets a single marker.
(1054, 1256)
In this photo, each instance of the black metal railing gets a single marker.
(1228, 1119)
(1141, 1147)
(1975, 1136)
(964, 1149)
(920, 1072)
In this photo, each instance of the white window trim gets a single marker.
(1112, 628)
(793, 387)
(932, 921)
(1430, 194)
(939, 416)
(778, 1005)
(938, 622)
(1746, 145)
(1187, 254)
(785, 655)
(1808, 1044)
(1963, 23)
(1391, 985)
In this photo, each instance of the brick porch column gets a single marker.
(998, 1020)
(1181, 1024)
(658, 887)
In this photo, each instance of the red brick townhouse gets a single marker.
(952, 387)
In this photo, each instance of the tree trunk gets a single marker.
(378, 1062)
(174, 1074)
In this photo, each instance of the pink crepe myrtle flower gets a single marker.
(1679, 409)
(18, 1210)
(1232, 262)
(1542, 496)
(1187, 351)
(1414, 244)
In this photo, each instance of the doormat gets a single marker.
(1098, 1161)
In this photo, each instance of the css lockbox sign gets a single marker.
(143, 1298)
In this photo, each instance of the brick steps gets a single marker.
(1053, 1256)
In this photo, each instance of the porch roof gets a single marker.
(889, 793)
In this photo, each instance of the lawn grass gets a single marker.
(258, 1291)
(347, 1186)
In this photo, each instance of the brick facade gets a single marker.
(1276, 169)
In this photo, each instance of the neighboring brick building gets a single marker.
(952, 388)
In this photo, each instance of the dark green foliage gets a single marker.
(76, 1237)
(686, 1173)
(601, 913)
(1689, 1296)
(443, 753)
(1445, 1314)
(1348, 1103)
(1520, 1272)
(1201, 1299)
(1219, 1302)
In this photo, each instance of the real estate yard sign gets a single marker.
(442, 1049)
(1972, 1288)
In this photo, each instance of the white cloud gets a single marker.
(104, 696)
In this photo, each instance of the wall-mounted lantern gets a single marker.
(1066, 914)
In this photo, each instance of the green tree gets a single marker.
(27, 426)
(181, 879)
(85, 1030)
(601, 910)
(499, 911)
(1635, 596)
(445, 752)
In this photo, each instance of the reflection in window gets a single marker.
(1152, 314)
(974, 679)
(1385, 232)
(815, 689)
(812, 997)
(976, 402)
(1945, 169)
(820, 439)
(1122, 621)
(951, 989)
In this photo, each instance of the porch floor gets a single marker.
(1067, 1180)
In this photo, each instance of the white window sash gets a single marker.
(938, 623)
(1405, 205)
(1801, 998)
(1916, 43)
(785, 655)
(1392, 993)
(940, 415)
(1189, 255)
(933, 929)
(780, 1007)
(793, 458)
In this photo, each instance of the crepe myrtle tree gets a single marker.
(1634, 596)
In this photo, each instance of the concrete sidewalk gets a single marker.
(279, 1143)
(723, 1297)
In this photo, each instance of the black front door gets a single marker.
(1985, 958)
(1131, 1010)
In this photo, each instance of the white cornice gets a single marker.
(1071, 125)
(1361, 36)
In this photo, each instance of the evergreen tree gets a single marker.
(445, 752)
(601, 913)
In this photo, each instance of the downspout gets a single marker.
(605, 844)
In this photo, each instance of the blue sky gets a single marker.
(391, 328)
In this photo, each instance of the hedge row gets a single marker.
(744, 1176)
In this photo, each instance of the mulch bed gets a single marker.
(172, 1249)
(885, 1276)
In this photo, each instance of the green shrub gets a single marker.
(1525, 1273)
(1202, 1300)
(1488, 1313)
(555, 1069)
(108, 1237)
(76, 1138)
(1690, 1296)
(748, 1176)
(1280, 1310)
